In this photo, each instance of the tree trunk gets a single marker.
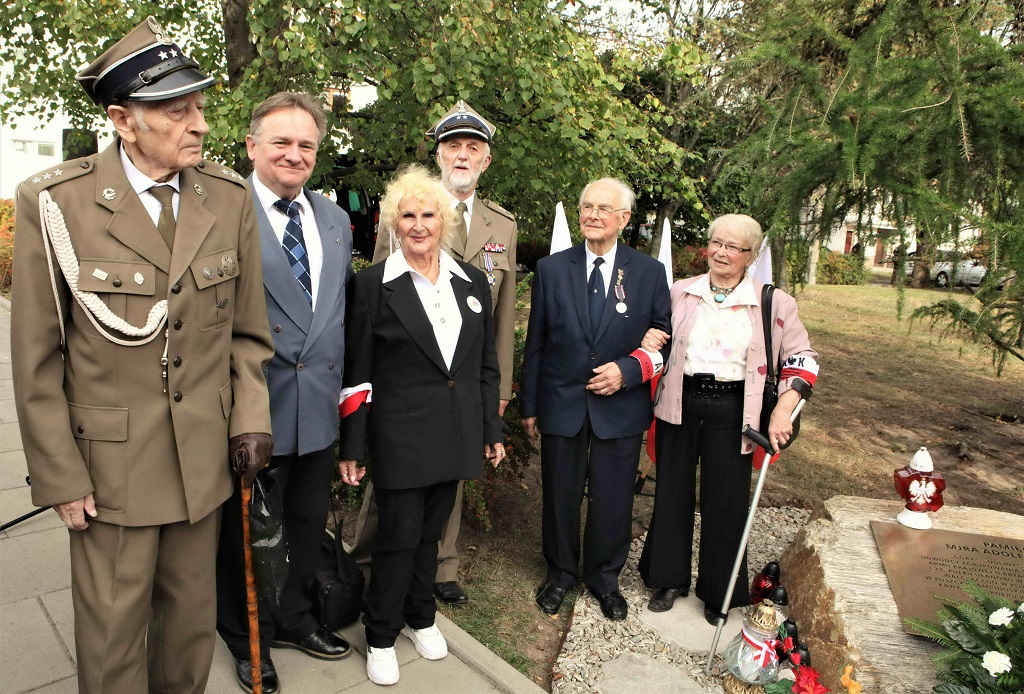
(239, 48)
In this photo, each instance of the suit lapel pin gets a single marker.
(208, 273)
(139, 279)
(474, 304)
(198, 188)
(109, 193)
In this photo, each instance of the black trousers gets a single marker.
(606, 468)
(709, 436)
(403, 562)
(305, 481)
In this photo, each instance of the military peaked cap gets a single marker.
(146, 65)
(462, 120)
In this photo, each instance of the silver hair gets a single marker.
(627, 196)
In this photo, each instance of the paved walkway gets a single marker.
(37, 642)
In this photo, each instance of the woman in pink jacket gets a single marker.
(712, 385)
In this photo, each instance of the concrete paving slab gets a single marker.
(6, 371)
(10, 437)
(61, 612)
(684, 625)
(625, 674)
(65, 686)
(6, 390)
(7, 410)
(447, 676)
(31, 654)
(34, 564)
(16, 502)
(13, 471)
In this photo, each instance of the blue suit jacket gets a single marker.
(562, 351)
(304, 376)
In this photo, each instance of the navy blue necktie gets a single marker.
(295, 247)
(595, 295)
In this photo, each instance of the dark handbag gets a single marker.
(336, 592)
(771, 382)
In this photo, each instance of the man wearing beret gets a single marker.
(139, 336)
(486, 239)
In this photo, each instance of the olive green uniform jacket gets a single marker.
(96, 416)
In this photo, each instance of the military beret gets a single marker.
(462, 120)
(146, 65)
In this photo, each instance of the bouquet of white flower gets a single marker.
(985, 643)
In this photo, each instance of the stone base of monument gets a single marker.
(840, 596)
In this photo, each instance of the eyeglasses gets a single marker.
(603, 211)
(714, 245)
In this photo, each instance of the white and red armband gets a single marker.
(352, 398)
(800, 366)
(650, 363)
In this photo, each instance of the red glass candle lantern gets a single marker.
(921, 488)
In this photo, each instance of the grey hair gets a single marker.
(745, 225)
(627, 196)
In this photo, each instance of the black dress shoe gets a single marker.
(550, 597)
(613, 605)
(320, 644)
(711, 615)
(268, 674)
(664, 598)
(450, 593)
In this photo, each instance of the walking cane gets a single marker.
(250, 590)
(762, 441)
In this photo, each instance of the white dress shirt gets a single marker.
(266, 198)
(438, 299)
(606, 267)
(141, 183)
(722, 332)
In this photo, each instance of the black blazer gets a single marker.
(426, 423)
(562, 351)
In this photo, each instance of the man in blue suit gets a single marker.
(306, 244)
(584, 389)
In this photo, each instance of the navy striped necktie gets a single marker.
(295, 246)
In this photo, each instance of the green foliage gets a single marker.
(524, 64)
(519, 448)
(6, 244)
(970, 638)
(896, 108)
(839, 268)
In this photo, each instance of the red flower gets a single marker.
(807, 682)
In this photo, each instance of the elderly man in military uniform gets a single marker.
(485, 238)
(139, 336)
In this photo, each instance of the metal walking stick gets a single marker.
(250, 583)
(762, 441)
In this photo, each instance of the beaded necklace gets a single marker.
(720, 293)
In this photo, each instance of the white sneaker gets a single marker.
(429, 642)
(381, 665)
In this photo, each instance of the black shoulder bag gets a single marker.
(336, 592)
(771, 381)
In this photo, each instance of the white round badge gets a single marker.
(620, 307)
(474, 304)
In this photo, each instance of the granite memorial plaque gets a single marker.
(924, 564)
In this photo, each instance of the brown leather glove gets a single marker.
(250, 453)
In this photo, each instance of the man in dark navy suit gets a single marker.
(584, 390)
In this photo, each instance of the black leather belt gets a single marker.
(705, 385)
